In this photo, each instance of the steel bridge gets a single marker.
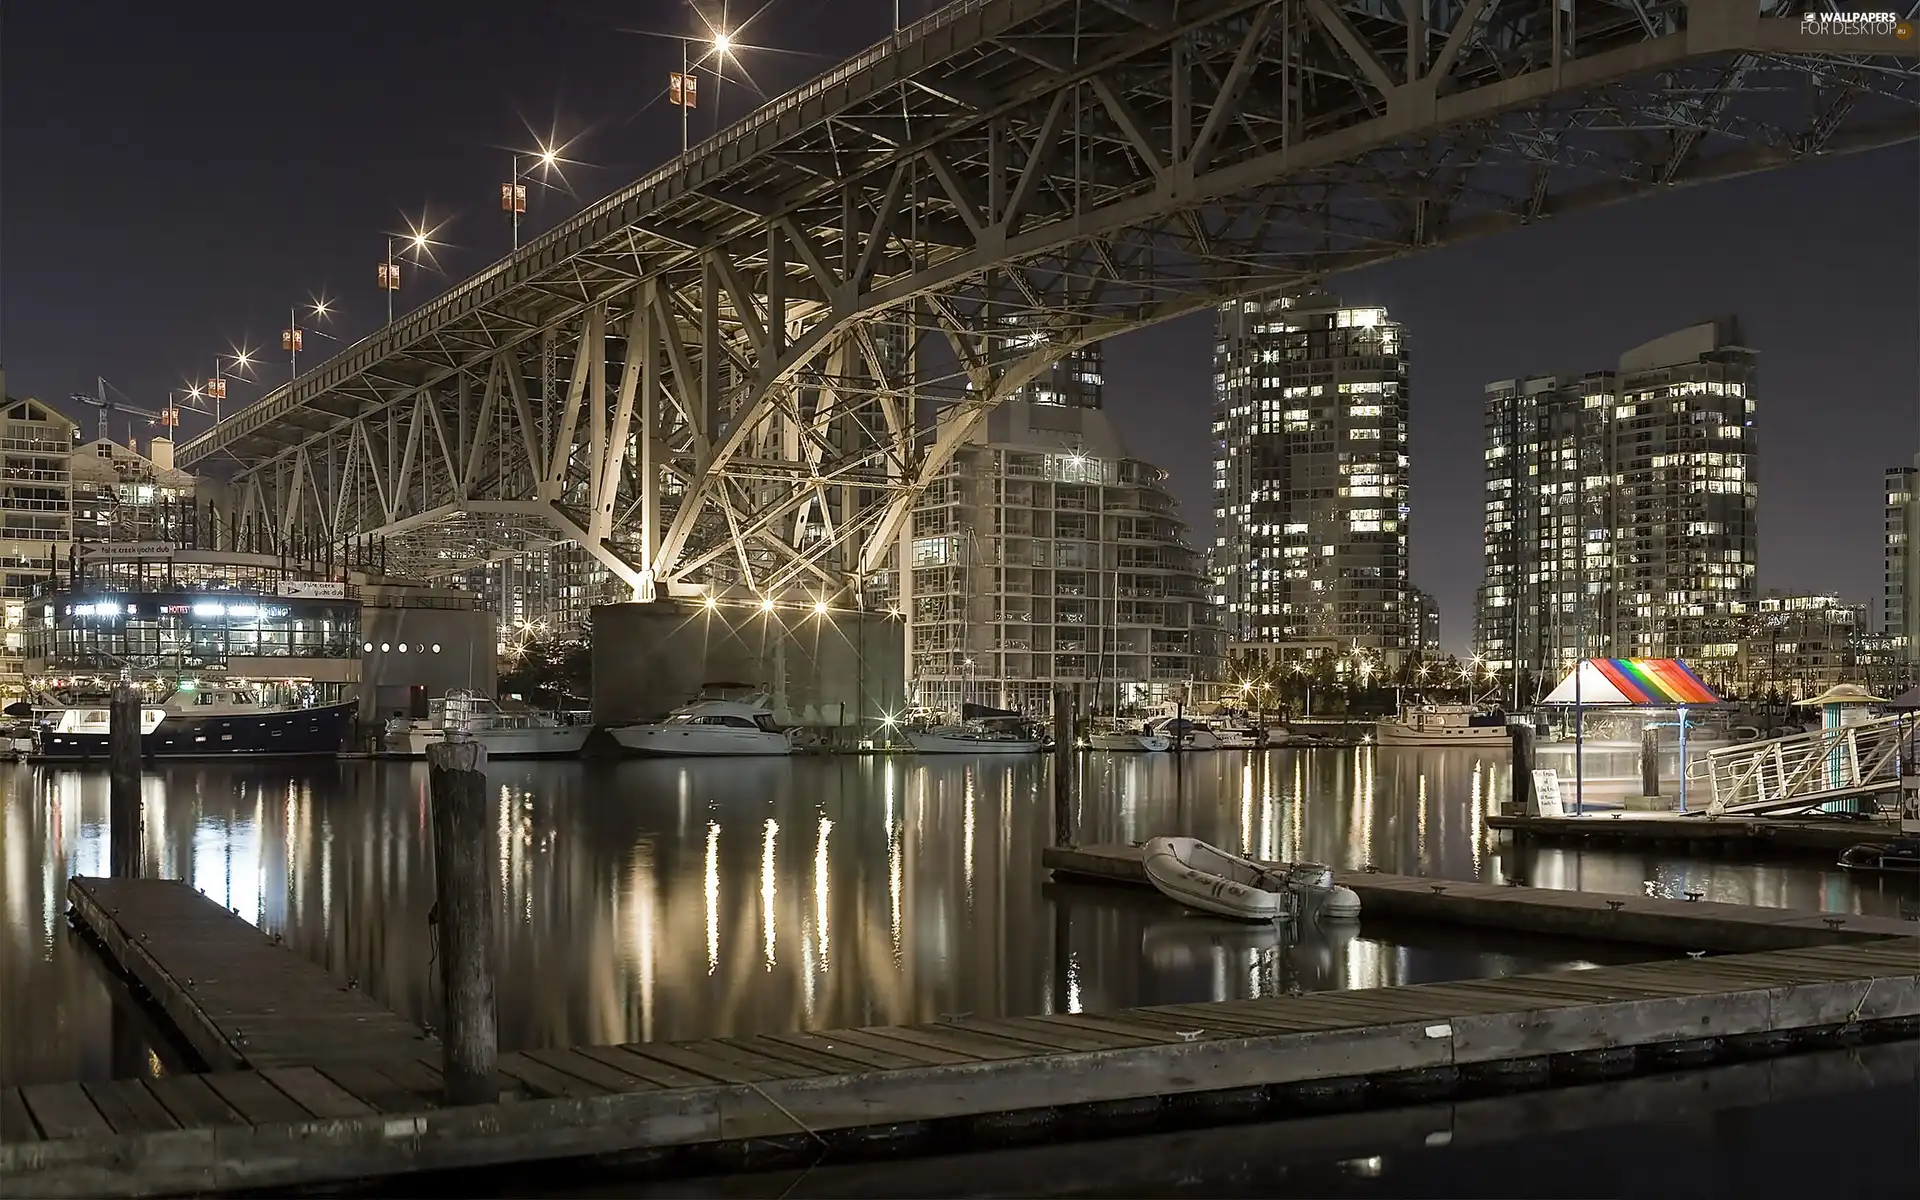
(738, 372)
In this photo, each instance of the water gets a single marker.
(1832, 1123)
(665, 900)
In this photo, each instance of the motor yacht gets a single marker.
(521, 734)
(200, 721)
(709, 728)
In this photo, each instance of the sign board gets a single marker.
(313, 589)
(1546, 795)
(128, 550)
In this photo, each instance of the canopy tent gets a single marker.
(1906, 701)
(1646, 682)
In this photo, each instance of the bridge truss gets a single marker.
(739, 372)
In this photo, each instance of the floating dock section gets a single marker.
(970, 1077)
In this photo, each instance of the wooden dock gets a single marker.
(1643, 920)
(1769, 837)
(335, 1119)
(236, 996)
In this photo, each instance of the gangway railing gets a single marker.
(1804, 771)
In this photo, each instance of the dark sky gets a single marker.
(176, 175)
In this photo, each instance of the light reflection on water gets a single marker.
(662, 900)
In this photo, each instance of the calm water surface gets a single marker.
(663, 900)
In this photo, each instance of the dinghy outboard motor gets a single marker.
(1320, 897)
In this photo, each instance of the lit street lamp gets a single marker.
(216, 390)
(291, 339)
(513, 193)
(416, 241)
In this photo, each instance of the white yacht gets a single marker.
(709, 728)
(505, 734)
(1126, 740)
(1183, 733)
(1443, 725)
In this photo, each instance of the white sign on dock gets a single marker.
(1546, 795)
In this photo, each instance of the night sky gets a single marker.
(176, 175)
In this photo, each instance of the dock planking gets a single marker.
(1642, 920)
(1768, 837)
(309, 1125)
(236, 996)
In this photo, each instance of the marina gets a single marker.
(332, 1119)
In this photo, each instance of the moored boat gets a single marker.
(202, 722)
(527, 734)
(1443, 725)
(1900, 856)
(1184, 734)
(1126, 740)
(709, 728)
(982, 730)
(1210, 879)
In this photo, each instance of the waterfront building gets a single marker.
(120, 495)
(1620, 509)
(1045, 555)
(1796, 645)
(36, 517)
(170, 613)
(1900, 596)
(1310, 478)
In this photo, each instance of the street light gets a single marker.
(291, 339)
(416, 241)
(240, 362)
(513, 193)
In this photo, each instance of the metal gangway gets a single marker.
(1803, 772)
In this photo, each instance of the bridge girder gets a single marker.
(740, 372)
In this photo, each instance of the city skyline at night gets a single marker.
(177, 214)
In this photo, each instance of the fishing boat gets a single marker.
(1126, 740)
(709, 728)
(982, 730)
(1207, 878)
(1900, 856)
(1443, 725)
(527, 734)
(201, 722)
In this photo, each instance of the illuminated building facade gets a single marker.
(1621, 509)
(1900, 594)
(1045, 555)
(36, 518)
(1310, 477)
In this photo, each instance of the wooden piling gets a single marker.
(1522, 766)
(123, 782)
(463, 854)
(1063, 763)
(1650, 761)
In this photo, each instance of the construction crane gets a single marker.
(167, 418)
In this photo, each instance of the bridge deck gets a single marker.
(238, 998)
(339, 1121)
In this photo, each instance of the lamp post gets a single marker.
(291, 339)
(216, 389)
(513, 193)
(389, 275)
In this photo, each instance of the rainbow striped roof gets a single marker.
(1656, 682)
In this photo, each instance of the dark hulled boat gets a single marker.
(210, 723)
